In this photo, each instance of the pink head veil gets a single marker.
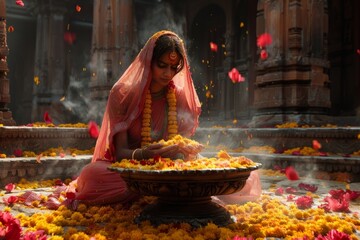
(127, 97)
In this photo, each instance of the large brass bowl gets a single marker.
(185, 196)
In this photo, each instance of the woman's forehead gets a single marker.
(170, 57)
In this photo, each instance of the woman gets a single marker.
(154, 99)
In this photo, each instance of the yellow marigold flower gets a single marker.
(56, 238)
(81, 207)
(77, 216)
(2, 155)
(79, 236)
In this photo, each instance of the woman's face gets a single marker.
(163, 70)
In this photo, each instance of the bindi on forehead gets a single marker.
(173, 57)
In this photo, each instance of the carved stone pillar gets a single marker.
(227, 90)
(49, 60)
(292, 83)
(5, 113)
(113, 46)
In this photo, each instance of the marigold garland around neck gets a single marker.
(172, 116)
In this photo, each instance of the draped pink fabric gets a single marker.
(127, 97)
(96, 184)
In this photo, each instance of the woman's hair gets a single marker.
(169, 43)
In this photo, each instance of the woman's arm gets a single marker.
(122, 150)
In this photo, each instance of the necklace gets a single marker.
(172, 126)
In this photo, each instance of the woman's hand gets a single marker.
(157, 149)
(191, 151)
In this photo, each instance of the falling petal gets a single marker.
(9, 187)
(208, 94)
(264, 40)
(18, 153)
(93, 129)
(78, 8)
(20, 3)
(263, 54)
(235, 76)
(291, 173)
(316, 145)
(213, 47)
(11, 29)
(69, 38)
(38, 158)
(36, 80)
(47, 118)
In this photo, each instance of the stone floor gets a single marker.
(269, 183)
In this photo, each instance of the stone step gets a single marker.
(336, 140)
(14, 169)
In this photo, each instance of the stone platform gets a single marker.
(339, 141)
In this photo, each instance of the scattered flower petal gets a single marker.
(47, 118)
(290, 198)
(78, 8)
(337, 205)
(70, 195)
(263, 54)
(36, 80)
(93, 129)
(308, 187)
(69, 38)
(279, 191)
(304, 202)
(38, 158)
(316, 145)
(264, 40)
(20, 3)
(235, 76)
(291, 173)
(10, 200)
(18, 153)
(9, 187)
(52, 203)
(11, 29)
(290, 190)
(333, 234)
(213, 47)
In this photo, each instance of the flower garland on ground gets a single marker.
(265, 218)
(172, 115)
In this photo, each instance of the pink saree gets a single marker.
(98, 185)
